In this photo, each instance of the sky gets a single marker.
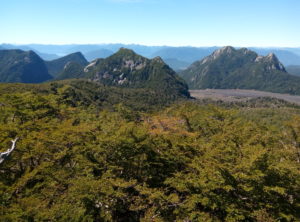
(261, 23)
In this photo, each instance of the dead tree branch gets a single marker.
(5, 154)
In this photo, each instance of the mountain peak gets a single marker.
(222, 51)
(158, 59)
(228, 68)
(125, 51)
(271, 61)
(77, 54)
(225, 49)
(276, 64)
(127, 69)
(272, 57)
(127, 55)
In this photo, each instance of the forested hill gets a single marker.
(124, 69)
(128, 69)
(229, 68)
(21, 66)
(89, 152)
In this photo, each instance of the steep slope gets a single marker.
(128, 69)
(56, 66)
(228, 68)
(21, 66)
(71, 70)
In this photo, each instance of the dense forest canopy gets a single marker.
(88, 152)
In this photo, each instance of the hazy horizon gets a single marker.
(195, 23)
(119, 43)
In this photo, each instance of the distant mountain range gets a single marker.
(124, 69)
(229, 68)
(176, 57)
(225, 68)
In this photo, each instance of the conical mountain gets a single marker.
(128, 69)
(22, 66)
(56, 66)
(229, 68)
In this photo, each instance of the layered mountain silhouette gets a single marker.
(225, 68)
(228, 68)
(22, 66)
(56, 66)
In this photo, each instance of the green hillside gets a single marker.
(22, 66)
(71, 70)
(56, 66)
(228, 68)
(128, 69)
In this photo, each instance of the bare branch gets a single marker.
(5, 154)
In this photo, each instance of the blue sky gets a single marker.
(152, 22)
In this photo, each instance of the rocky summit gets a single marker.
(128, 69)
(230, 68)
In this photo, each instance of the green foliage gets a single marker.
(87, 154)
(71, 70)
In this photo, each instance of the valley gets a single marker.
(239, 95)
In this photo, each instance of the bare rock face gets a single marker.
(221, 51)
(92, 64)
(274, 62)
